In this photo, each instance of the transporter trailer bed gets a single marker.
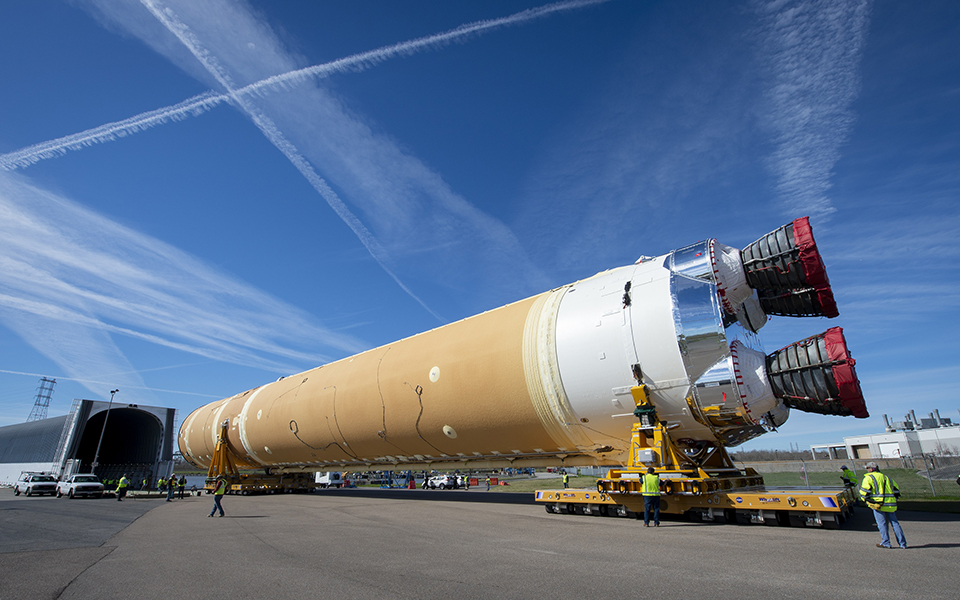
(704, 485)
(798, 507)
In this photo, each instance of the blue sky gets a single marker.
(196, 198)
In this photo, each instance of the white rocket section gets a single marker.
(665, 317)
(599, 340)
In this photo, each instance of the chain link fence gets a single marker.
(918, 477)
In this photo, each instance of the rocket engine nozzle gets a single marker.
(817, 375)
(788, 273)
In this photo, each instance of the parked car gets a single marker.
(80, 485)
(443, 482)
(35, 483)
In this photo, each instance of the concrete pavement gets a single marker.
(414, 544)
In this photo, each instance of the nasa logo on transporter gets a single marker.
(739, 500)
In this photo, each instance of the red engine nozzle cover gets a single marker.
(788, 273)
(851, 396)
(817, 375)
(814, 271)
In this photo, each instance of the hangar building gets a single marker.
(137, 440)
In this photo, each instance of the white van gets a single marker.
(329, 479)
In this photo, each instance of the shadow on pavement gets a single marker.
(437, 495)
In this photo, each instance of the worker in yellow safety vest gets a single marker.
(651, 498)
(122, 487)
(566, 480)
(849, 477)
(218, 491)
(880, 493)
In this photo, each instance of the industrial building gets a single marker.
(932, 435)
(120, 438)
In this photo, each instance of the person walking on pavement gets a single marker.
(880, 493)
(181, 485)
(488, 483)
(171, 486)
(122, 487)
(218, 491)
(651, 498)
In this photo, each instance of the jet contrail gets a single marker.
(111, 131)
(276, 137)
(78, 380)
(204, 102)
(363, 60)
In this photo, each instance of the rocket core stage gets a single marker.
(547, 380)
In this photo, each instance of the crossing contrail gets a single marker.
(202, 103)
(241, 96)
(276, 137)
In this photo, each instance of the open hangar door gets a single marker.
(136, 441)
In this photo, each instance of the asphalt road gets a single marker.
(414, 544)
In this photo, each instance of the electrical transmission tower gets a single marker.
(44, 391)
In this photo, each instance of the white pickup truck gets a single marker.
(80, 485)
(31, 483)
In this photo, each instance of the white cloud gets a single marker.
(395, 205)
(72, 280)
(813, 50)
